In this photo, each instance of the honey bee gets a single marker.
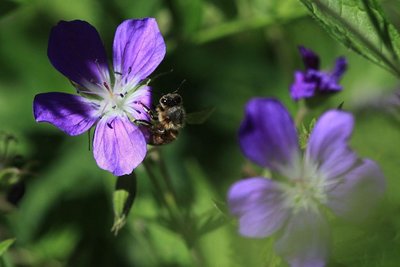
(166, 119)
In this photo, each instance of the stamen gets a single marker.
(145, 108)
(98, 84)
(331, 185)
(103, 75)
(89, 92)
(109, 125)
(106, 86)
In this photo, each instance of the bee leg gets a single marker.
(148, 111)
(143, 123)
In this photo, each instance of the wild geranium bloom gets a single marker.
(313, 81)
(109, 99)
(328, 175)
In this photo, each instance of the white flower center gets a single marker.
(113, 104)
(116, 101)
(114, 98)
(306, 192)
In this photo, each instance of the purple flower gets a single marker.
(313, 81)
(327, 175)
(111, 100)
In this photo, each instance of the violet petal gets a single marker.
(70, 113)
(138, 49)
(327, 147)
(268, 136)
(75, 49)
(358, 193)
(340, 68)
(301, 87)
(258, 204)
(118, 146)
(305, 240)
(310, 59)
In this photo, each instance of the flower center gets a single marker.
(114, 103)
(306, 192)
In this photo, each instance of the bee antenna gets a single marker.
(162, 74)
(179, 87)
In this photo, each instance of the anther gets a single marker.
(109, 125)
(106, 86)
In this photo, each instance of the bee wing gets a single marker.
(199, 117)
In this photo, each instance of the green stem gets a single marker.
(167, 177)
(158, 188)
(197, 256)
(301, 113)
(169, 200)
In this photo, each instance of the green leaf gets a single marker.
(4, 245)
(212, 222)
(305, 133)
(362, 27)
(124, 195)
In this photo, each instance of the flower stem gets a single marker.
(301, 113)
(158, 188)
(185, 225)
(167, 177)
(197, 256)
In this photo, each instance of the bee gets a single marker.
(166, 119)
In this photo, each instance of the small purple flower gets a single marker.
(111, 100)
(327, 175)
(313, 81)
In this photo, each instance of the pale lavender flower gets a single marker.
(313, 81)
(328, 175)
(111, 100)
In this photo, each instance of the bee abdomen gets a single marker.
(163, 137)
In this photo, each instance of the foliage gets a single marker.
(228, 52)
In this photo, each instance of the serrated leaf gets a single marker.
(124, 195)
(4, 245)
(360, 25)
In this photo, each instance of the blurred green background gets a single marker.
(227, 51)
